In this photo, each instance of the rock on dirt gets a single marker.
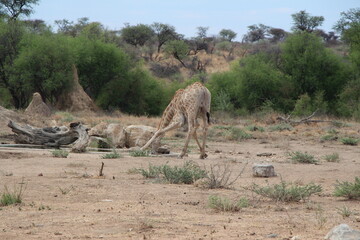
(343, 232)
(263, 170)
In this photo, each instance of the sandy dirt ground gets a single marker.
(65, 199)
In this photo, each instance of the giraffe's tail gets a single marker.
(208, 117)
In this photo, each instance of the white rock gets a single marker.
(263, 170)
(343, 232)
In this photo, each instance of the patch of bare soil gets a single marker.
(65, 199)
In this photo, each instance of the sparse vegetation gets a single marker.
(65, 117)
(12, 197)
(344, 211)
(350, 141)
(334, 157)
(66, 190)
(287, 192)
(281, 127)
(113, 155)
(60, 153)
(187, 174)
(320, 216)
(300, 157)
(219, 176)
(255, 128)
(151, 172)
(237, 134)
(226, 205)
(140, 153)
(328, 137)
(347, 189)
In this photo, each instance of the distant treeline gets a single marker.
(131, 69)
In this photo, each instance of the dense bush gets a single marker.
(312, 67)
(44, 65)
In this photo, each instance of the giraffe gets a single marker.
(186, 106)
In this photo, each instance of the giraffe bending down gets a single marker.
(187, 105)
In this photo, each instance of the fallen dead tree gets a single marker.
(307, 119)
(52, 136)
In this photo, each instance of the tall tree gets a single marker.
(163, 33)
(14, 8)
(11, 34)
(256, 33)
(202, 32)
(349, 27)
(277, 34)
(304, 22)
(178, 49)
(137, 35)
(227, 34)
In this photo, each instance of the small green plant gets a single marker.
(140, 153)
(328, 137)
(344, 211)
(334, 157)
(332, 131)
(280, 127)
(111, 155)
(225, 204)
(347, 189)
(287, 192)
(65, 116)
(187, 174)
(12, 197)
(350, 141)
(300, 157)
(60, 153)
(152, 172)
(320, 216)
(237, 134)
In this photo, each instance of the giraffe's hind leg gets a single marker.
(205, 118)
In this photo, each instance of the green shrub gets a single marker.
(334, 157)
(60, 153)
(187, 174)
(111, 155)
(344, 211)
(347, 189)
(224, 204)
(65, 116)
(287, 192)
(299, 157)
(237, 134)
(350, 141)
(14, 197)
(152, 172)
(328, 137)
(140, 153)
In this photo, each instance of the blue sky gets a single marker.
(187, 15)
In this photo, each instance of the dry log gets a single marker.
(307, 119)
(52, 136)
